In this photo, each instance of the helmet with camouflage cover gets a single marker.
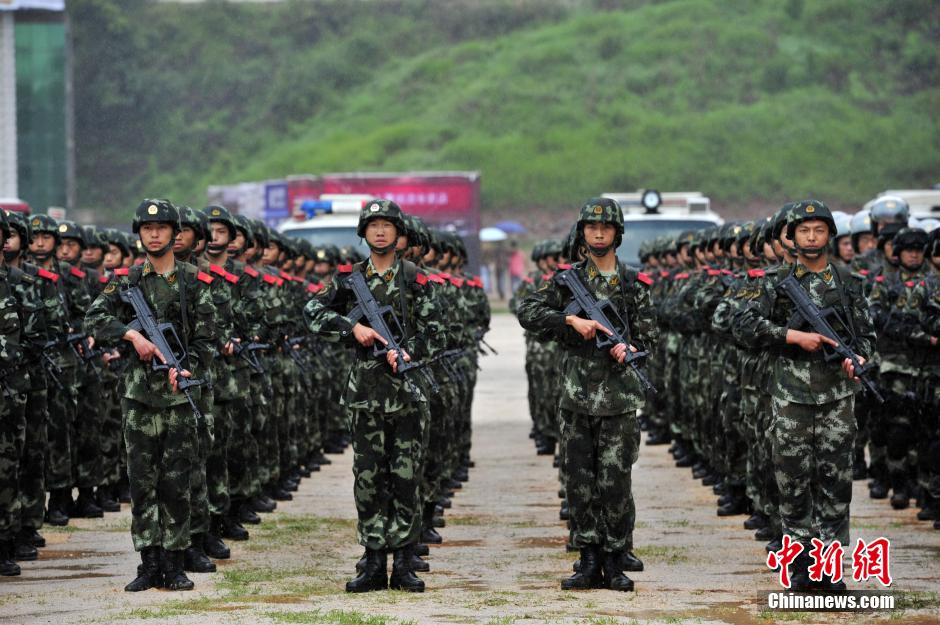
(745, 232)
(537, 250)
(572, 247)
(19, 222)
(553, 247)
(889, 209)
(71, 230)
(780, 220)
(4, 224)
(118, 239)
(44, 224)
(601, 210)
(221, 215)
(645, 250)
(810, 210)
(244, 224)
(328, 254)
(95, 237)
(190, 218)
(261, 232)
(156, 211)
(728, 234)
(381, 209)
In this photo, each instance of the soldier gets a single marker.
(388, 415)
(599, 400)
(813, 417)
(159, 425)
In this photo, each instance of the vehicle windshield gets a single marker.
(635, 232)
(340, 237)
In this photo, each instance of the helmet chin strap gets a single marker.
(600, 251)
(42, 256)
(11, 255)
(385, 249)
(810, 252)
(216, 248)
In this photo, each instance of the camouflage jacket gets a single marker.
(593, 383)
(889, 296)
(372, 385)
(109, 317)
(799, 376)
(33, 333)
(11, 352)
(923, 310)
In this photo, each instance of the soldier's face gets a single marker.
(113, 258)
(684, 257)
(597, 234)
(270, 254)
(220, 234)
(69, 250)
(770, 252)
(155, 236)
(912, 259)
(185, 240)
(670, 260)
(866, 242)
(43, 242)
(813, 233)
(380, 232)
(237, 243)
(846, 252)
(12, 243)
(92, 255)
(322, 268)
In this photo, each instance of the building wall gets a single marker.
(8, 168)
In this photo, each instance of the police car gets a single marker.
(332, 219)
(649, 214)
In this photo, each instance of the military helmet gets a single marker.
(536, 255)
(220, 214)
(118, 239)
(684, 238)
(327, 254)
(745, 232)
(602, 210)
(4, 224)
(71, 230)
(780, 219)
(809, 210)
(244, 224)
(554, 247)
(909, 239)
(95, 237)
(19, 222)
(156, 211)
(190, 218)
(860, 224)
(570, 250)
(381, 209)
(889, 209)
(44, 224)
(261, 232)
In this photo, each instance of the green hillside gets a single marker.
(749, 101)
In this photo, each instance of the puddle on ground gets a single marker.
(59, 578)
(539, 542)
(542, 505)
(52, 554)
(68, 567)
(458, 543)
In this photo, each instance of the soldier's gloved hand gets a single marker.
(228, 349)
(809, 341)
(392, 358)
(587, 328)
(850, 369)
(619, 351)
(367, 336)
(174, 377)
(145, 349)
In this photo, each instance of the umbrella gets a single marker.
(492, 234)
(511, 227)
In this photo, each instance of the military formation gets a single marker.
(791, 355)
(189, 368)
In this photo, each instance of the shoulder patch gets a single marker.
(48, 275)
(644, 278)
(122, 271)
(111, 288)
(909, 283)
(202, 276)
(78, 273)
(251, 271)
(880, 279)
(421, 279)
(231, 277)
(344, 268)
(756, 273)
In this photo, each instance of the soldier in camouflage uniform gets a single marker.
(813, 400)
(388, 415)
(599, 398)
(159, 425)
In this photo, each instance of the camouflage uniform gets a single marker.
(388, 416)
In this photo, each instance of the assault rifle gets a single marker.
(604, 313)
(247, 351)
(807, 313)
(164, 336)
(382, 319)
(287, 345)
(50, 366)
(478, 335)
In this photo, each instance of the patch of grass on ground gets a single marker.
(660, 553)
(916, 600)
(172, 609)
(333, 617)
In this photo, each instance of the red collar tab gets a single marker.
(880, 279)
(421, 279)
(78, 273)
(713, 272)
(435, 278)
(218, 270)
(121, 271)
(663, 274)
(682, 276)
(909, 283)
(644, 278)
(446, 276)
(864, 272)
(103, 279)
(727, 272)
(457, 282)
(756, 273)
(313, 287)
(563, 266)
(528, 280)
(204, 277)
(344, 268)
(270, 279)
(251, 271)
(48, 275)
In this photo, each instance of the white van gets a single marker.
(331, 219)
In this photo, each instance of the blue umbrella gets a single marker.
(511, 227)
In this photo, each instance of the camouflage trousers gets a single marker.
(32, 461)
(435, 460)
(813, 446)
(895, 426)
(242, 446)
(388, 460)
(62, 409)
(599, 453)
(12, 442)
(217, 459)
(85, 434)
(770, 493)
(110, 442)
(161, 448)
(199, 517)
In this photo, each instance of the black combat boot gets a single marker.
(194, 557)
(174, 578)
(212, 542)
(657, 436)
(8, 568)
(422, 550)
(900, 495)
(374, 573)
(279, 494)
(589, 573)
(685, 461)
(711, 479)
(403, 576)
(33, 537)
(444, 503)
(104, 497)
(428, 534)
(85, 506)
(928, 511)
(418, 565)
(736, 505)
(232, 529)
(564, 513)
(262, 504)
(57, 511)
(799, 573)
(148, 571)
(629, 562)
(859, 470)
(23, 548)
(614, 577)
(765, 533)
(244, 513)
(755, 521)
(124, 489)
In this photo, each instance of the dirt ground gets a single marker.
(502, 558)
